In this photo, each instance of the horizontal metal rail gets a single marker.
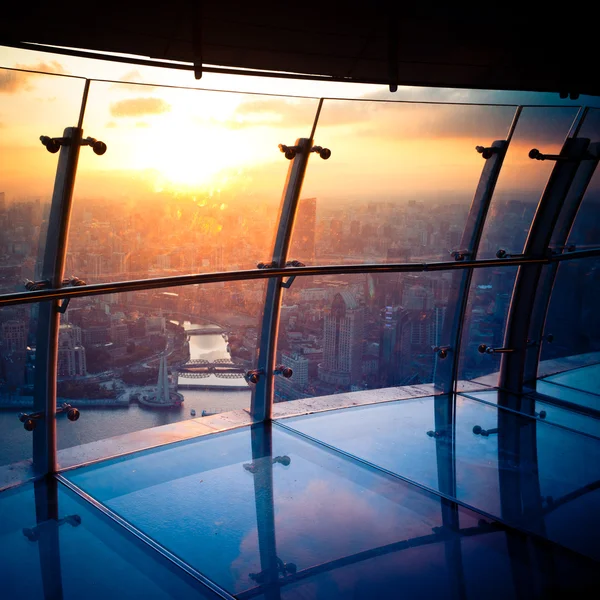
(209, 69)
(134, 285)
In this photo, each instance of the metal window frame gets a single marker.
(56, 246)
(558, 187)
(446, 371)
(262, 396)
(560, 236)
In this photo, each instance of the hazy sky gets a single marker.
(204, 142)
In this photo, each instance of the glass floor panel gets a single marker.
(266, 513)
(83, 554)
(567, 394)
(584, 379)
(551, 412)
(545, 479)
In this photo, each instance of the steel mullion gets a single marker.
(46, 359)
(512, 366)
(560, 236)
(262, 397)
(446, 372)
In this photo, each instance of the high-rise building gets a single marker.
(342, 342)
(71, 354)
(303, 237)
(14, 336)
(394, 345)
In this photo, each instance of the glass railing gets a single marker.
(18, 328)
(522, 180)
(401, 180)
(191, 181)
(156, 357)
(35, 104)
(189, 188)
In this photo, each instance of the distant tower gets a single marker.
(343, 340)
(303, 238)
(162, 385)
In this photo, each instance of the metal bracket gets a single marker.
(535, 154)
(44, 284)
(291, 151)
(442, 351)
(30, 420)
(290, 263)
(460, 255)
(484, 349)
(33, 533)
(53, 144)
(487, 152)
(478, 430)
(504, 254)
(254, 466)
(563, 249)
(545, 338)
(283, 570)
(288, 282)
(440, 434)
(253, 375)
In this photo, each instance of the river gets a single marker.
(100, 423)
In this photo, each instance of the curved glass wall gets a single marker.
(191, 181)
(18, 329)
(191, 185)
(399, 183)
(138, 360)
(522, 180)
(570, 354)
(33, 105)
(352, 333)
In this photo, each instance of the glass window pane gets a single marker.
(586, 228)
(18, 333)
(32, 105)
(399, 183)
(484, 324)
(522, 180)
(347, 333)
(191, 181)
(136, 360)
(569, 363)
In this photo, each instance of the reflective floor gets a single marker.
(351, 503)
(579, 386)
(55, 545)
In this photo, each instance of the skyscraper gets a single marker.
(394, 346)
(71, 354)
(342, 342)
(303, 237)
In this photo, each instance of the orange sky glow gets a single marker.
(210, 144)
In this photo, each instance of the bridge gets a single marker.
(221, 367)
(205, 331)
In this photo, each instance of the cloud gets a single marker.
(131, 77)
(111, 125)
(138, 107)
(16, 81)
(142, 125)
(274, 111)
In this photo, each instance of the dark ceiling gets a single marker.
(380, 41)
